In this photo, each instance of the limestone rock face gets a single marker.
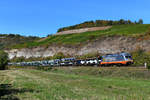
(103, 45)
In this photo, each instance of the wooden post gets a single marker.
(145, 65)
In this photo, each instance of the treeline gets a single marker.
(99, 23)
(17, 35)
(8, 40)
(3, 60)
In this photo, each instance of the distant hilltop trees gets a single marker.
(9, 40)
(99, 23)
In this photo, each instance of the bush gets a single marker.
(148, 66)
(59, 55)
(18, 59)
(140, 57)
(89, 55)
(3, 60)
(148, 31)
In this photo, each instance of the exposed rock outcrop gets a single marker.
(103, 45)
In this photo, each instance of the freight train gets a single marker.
(106, 60)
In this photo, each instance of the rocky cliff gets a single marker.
(112, 44)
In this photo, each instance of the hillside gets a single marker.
(82, 38)
(99, 23)
(9, 40)
(120, 38)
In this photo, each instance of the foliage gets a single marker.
(140, 21)
(140, 57)
(148, 31)
(3, 60)
(8, 40)
(59, 55)
(148, 66)
(99, 23)
(89, 55)
(18, 59)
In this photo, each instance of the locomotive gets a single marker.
(117, 59)
(106, 60)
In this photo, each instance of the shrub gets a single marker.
(89, 55)
(148, 31)
(148, 66)
(18, 59)
(59, 55)
(140, 57)
(3, 60)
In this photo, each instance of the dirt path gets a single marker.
(83, 30)
(78, 31)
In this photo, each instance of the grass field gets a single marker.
(72, 39)
(75, 84)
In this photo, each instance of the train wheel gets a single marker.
(119, 65)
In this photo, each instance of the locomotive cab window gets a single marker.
(128, 57)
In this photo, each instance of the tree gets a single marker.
(140, 21)
(129, 22)
(135, 22)
(97, 23)
(110, 22)
(121, 21)
(3, 60)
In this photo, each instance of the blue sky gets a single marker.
(42, 17)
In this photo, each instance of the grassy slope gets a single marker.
(57, 85)
(128, 30)
(7, 41)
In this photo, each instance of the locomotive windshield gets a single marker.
(128, 57)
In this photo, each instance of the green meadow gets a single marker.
(80, 83)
